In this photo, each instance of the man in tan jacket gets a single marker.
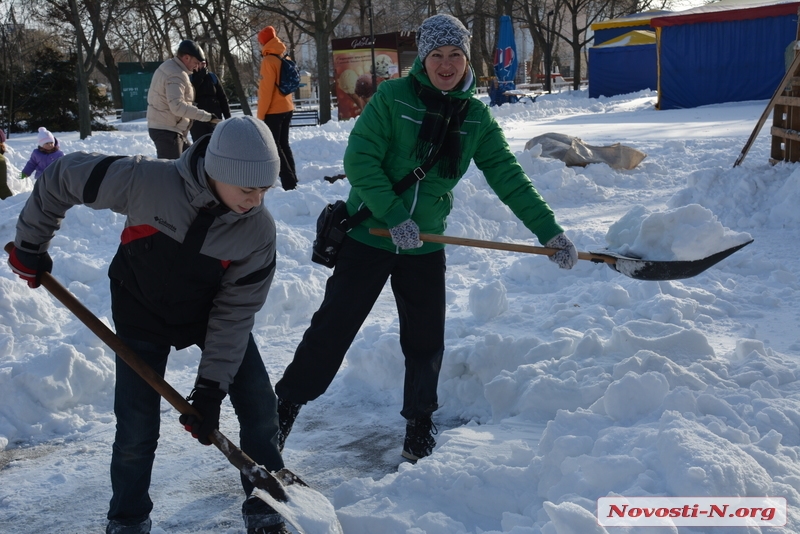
(170, 111)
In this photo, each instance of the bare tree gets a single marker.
(481, 17)
(160, 21)
(90, 21)
(19, 46)
(225, 26)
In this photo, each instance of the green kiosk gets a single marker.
(135, 79)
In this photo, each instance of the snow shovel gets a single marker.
(638, 268)
(283, 490)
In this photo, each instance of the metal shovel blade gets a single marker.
(642, 269)
(638, 268)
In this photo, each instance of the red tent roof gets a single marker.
(727, 11)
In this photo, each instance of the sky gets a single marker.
(557, 388)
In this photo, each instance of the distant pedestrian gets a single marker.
(275, 108)
(43, 155)
(209, 96)
(170, 108)
(5, 192)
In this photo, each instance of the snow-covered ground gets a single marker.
(557, 388)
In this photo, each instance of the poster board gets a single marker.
(352, 67)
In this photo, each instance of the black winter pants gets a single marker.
(357, 280)
(199, 129)
(278, 124)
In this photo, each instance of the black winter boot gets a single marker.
(419, 441)
(261, 518)
(117, 527)
(275, 529)
(287, 413)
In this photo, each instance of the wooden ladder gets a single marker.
(785, 103)
(786, 124)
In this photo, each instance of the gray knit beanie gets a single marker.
(242, 152)
(441, 30)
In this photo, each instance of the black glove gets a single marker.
(30, 266)
(206, 398)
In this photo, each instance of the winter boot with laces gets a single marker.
(287, 413)
(419, 441)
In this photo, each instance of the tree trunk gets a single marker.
(84, 110)
(576, 55)
(110, 71)
(323, 73)
(230, 61)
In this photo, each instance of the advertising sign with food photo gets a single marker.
(352, 64)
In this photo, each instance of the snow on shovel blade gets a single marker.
(642, 269)
(306, 509)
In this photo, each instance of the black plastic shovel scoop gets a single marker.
(638, 268)
(642, 269)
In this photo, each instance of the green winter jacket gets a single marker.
(380, 152)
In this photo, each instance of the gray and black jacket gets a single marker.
(188, 270)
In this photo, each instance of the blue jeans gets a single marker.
(136, 406)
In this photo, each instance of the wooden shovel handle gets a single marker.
(257, 474)
(496, 245)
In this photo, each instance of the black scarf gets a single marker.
(441, 126)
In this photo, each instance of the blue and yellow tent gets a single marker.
(613, 28)
(624, 64)
(728, 51)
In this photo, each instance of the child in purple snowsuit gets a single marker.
(42, 156)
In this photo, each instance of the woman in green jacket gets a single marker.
(403, 122)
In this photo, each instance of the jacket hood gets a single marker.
(191, 168)
(466, 90)
(273, 46)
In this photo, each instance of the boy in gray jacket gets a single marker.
(195, 263)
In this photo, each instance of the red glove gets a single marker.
(29, 266)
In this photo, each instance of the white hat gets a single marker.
(45, 137)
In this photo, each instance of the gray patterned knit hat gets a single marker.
(242, 152)
(441, 30)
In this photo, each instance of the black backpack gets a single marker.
(289, 79)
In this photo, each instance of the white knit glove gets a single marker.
(567, 256)
(406, 235)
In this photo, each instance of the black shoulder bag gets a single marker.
(334, 222)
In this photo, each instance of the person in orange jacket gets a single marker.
(275, 108)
